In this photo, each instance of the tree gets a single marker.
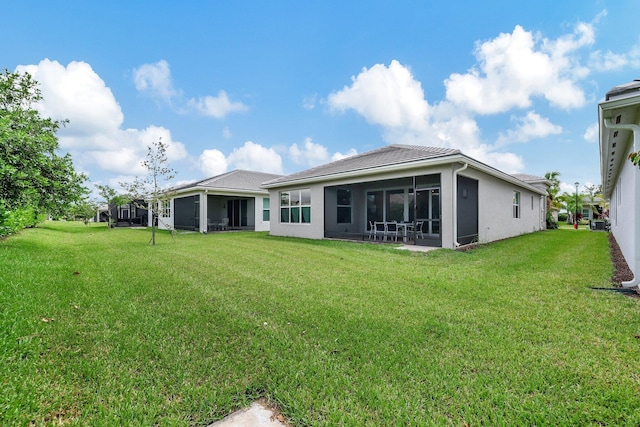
(32, 174)
(83, 210)
(150, 188)
(553, 204)
(112, 199)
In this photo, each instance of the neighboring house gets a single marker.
(457, 199)
(126, 215)
(130, 214)
(619, 122)
(233, 200)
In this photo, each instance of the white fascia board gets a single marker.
(606, 111)
(219, 192)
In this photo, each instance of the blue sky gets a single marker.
(281, 86)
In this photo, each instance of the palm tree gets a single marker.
(553, 202)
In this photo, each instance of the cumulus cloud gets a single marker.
(77, 93)
(515, 67)
(212, 162)
(339, 156)
(528, 127)
(255, 157)
(312, 154)
(155, 79)
(250, 156)
(386, 96)
(393, 99)
(592, 133)
(94, 135)
(216, 106)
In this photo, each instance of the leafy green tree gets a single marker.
(153, 187)
(84, 211)
(33, 176)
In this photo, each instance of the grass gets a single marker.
(98, 328)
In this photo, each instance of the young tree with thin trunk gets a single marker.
(152, 188)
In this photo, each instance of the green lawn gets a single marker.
(98, 328)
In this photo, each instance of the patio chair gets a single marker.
(379, 229)
(372, 230)
(418, 231)
(224, 224)
(392, 230)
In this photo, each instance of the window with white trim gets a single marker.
(516, 204)
(266, 211)
(295, 206)
(165, 209)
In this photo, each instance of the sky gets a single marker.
(281, 86)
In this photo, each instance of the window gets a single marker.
(516, 204)
(266, 212)
(295, 206)
(531, 202)
(165, 209)
(344, 206)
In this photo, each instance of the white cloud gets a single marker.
(529, 127)
(255, 157)
(216, 106)
(514, 68)
(312, 154)
(212, 162)
(592, 134)
(340, 156)
(390, 97)
(94, 135)
(386, 96)
(155, 79)
(309, 102)
(77, 93)
(226, 133)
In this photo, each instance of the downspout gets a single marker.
(636, 257)
(455, 203)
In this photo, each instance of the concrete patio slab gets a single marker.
(256, 415)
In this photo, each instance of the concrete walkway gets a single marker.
(417, 248)
(256, 415)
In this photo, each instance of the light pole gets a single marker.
(575, 219)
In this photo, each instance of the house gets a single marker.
(233, 200)
(125, 215)
(453, 198)
(130, 214)
(619, 124)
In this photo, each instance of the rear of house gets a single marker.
(230, 201)
(451, 198)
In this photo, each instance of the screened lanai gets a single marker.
(412, 203)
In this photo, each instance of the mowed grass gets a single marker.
(98, 328)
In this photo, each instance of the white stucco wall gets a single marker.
(495, 205)
(495, 208)
(260, 224)
(622, 210)
(314, 230)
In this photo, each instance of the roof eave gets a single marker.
(405, 166)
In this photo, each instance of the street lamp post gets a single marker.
(575, 219)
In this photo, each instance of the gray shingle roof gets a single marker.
(241, 180)
(385, 156)
(529, 178)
